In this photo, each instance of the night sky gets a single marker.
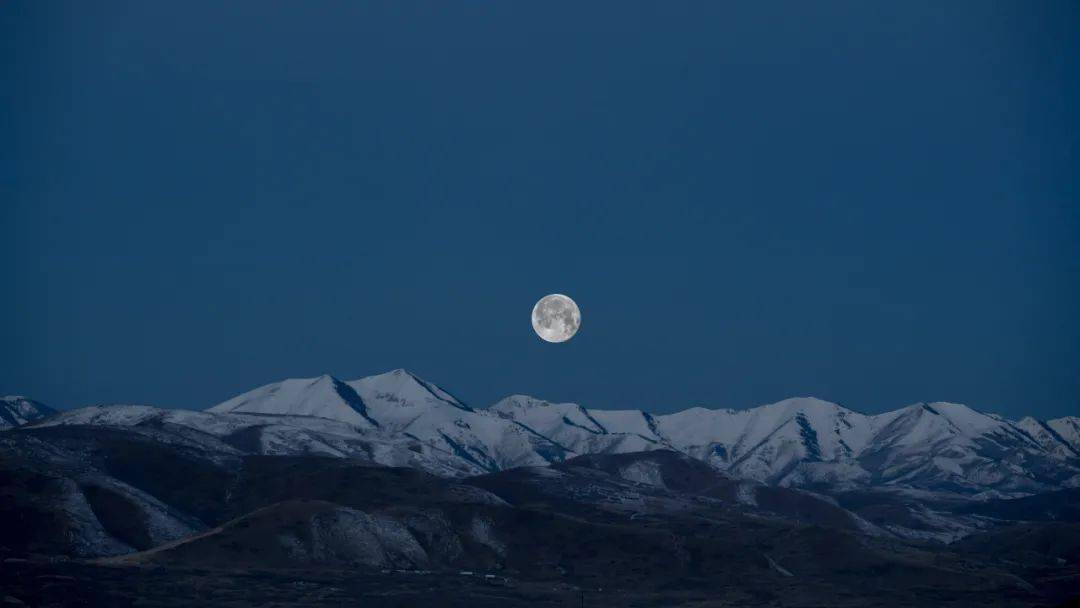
(871, 203)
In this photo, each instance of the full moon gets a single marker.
(556, 318)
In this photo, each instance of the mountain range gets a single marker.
(397, 418)
(391, 490)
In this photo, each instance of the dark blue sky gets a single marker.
(873, 203)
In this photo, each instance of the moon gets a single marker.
(556, 318)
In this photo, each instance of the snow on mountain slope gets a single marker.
(576, 428)
(634, 422)
(404, 403)
(767, 442)
(930, 423)
(764, 443)
(546, 416)
(399, 400)
(106, 415)
(1068, 429)
(953, 446)
(402, 389)
(17, 411)
(324, 397)
(1046, 435)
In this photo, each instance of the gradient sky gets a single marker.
(872, 203)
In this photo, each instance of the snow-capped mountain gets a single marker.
(397, 418)
(806, 441)
(406, 404)
(801, 441)
(17, 411)
(770, 442)
(948, 445)
(400, 404)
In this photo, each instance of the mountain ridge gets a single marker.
(800, 441)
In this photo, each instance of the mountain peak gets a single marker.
(16, 410)
(519, 402)
(323, 396)
(805, 403)
(965, 418)
(404, 388)
(399, 372)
